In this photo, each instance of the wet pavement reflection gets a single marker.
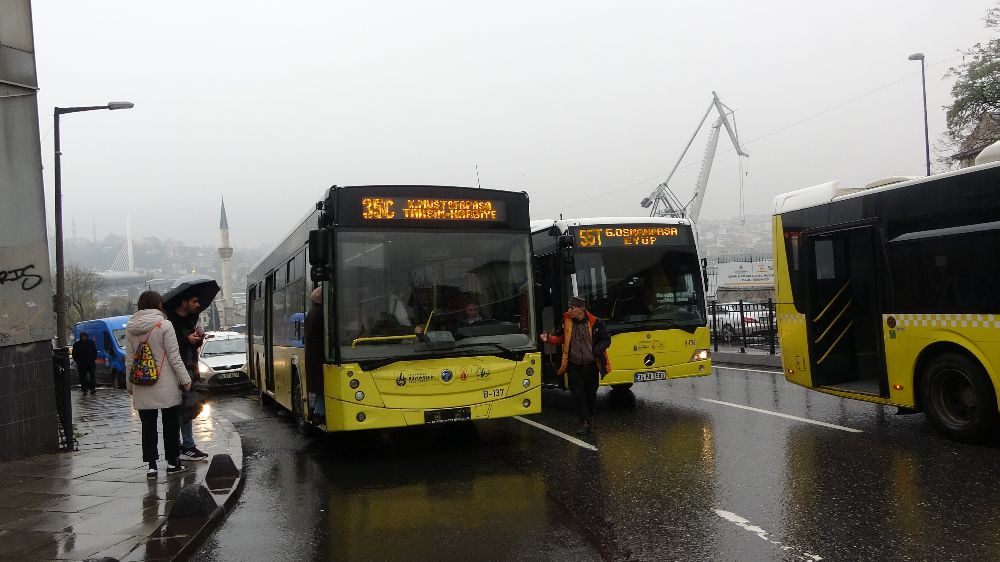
(675, 477)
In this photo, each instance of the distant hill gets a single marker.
(726, 237)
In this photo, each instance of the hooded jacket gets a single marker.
(166, 391)
(599, 339)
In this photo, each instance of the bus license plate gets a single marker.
(651, 376)
(449, 415)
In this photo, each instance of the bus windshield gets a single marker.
(642, 288)
(420, 292)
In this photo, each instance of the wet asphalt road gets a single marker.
(675, 477)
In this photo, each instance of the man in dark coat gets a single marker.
(183, 314)
(585, 341)
(85, 355)
(315, 356)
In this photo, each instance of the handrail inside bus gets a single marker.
(834, 321)
(835, 342)
(355, 342)
(835, 297)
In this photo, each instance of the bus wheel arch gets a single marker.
(954, 390)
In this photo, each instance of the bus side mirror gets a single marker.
(704, 273)
(319, 252)
(566, 251)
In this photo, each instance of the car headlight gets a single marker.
(203, 368)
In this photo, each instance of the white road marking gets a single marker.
(780, 415)
(744, 524)
(569, 438)
(748, 370)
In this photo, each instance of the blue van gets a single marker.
(108, 335)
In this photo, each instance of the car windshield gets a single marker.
(642, 286)
(223, 347)
(119, 337)
(417, 292)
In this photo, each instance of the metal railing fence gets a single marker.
(744, 325)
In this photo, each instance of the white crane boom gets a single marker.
(663, 201)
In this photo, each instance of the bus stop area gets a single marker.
(96, 502)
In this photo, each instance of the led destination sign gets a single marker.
(592, 237)
(406, 208)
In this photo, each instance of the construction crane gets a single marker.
(663, 201)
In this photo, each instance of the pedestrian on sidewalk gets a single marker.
(85, 355)
(585, 341)
(149, 324)
(183, 315)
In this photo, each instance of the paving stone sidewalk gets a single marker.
(97, 502)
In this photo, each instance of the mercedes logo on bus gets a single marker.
(648, 360)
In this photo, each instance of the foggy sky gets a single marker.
(586, 106)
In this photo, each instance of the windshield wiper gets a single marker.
(508, 351)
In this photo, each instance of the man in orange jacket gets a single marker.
(585, 342)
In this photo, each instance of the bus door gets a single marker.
(843, 319)
(269, 332)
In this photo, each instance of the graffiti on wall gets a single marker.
(23, 274)
(26, 313)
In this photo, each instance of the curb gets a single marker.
(194, 530)
(749, 359)
(212, 521)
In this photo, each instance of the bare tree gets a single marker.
(81, 289)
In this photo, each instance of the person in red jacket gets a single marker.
(584, 339)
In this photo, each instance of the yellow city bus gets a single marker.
(888, 294)
(643, 276)
(426, 307)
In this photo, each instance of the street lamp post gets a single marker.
(60, 300)
(923, 82)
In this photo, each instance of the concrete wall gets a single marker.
(28, 423)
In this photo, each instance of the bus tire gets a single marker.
(265, 400)
(298, 417)
(958, 397)
(621, 387)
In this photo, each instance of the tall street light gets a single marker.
(60, 301)
(923, 81)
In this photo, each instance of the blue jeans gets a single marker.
(187, 435)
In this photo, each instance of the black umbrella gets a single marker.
(192, 285)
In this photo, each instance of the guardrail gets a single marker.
(64, 400)
(743, 324)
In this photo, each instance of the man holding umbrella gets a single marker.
(190, 295)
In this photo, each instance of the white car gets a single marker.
(728, 321)
(223, 359)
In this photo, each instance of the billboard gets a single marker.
(758, 274)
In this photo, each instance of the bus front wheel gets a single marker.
(958, 397)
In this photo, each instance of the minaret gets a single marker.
(225, 254)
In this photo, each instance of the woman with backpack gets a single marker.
(155, 379)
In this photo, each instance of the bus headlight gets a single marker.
(525, 403)
(355, 383)
(701, 355)
(526, 383)
(529, 371)
(359, 396)
(360, 417)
